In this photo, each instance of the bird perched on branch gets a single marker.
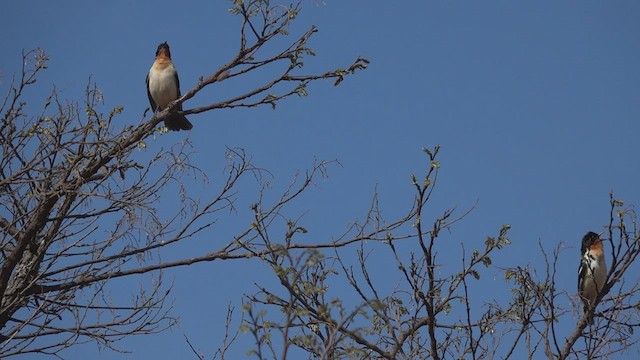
(163, 87)
(593, 271)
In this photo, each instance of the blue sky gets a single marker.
(536, 106)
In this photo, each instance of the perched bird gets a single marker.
(163, 87)
(593, 270)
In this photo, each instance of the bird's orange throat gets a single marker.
(161, 63)
(596, 246)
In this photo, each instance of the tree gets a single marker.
(80, 206)
(434, 311)
(67, 170)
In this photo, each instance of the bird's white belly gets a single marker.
(596, 277)
(162, 86)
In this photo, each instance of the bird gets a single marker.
(163, 87)
(592, 273)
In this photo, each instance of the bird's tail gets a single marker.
(177, 122)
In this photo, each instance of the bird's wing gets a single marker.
(582, 272)
(178, 87)
(154, 106)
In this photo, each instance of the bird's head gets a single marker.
(589, 240)
(163, 50)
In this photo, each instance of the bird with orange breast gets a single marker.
(592, 273)
(163, 87)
